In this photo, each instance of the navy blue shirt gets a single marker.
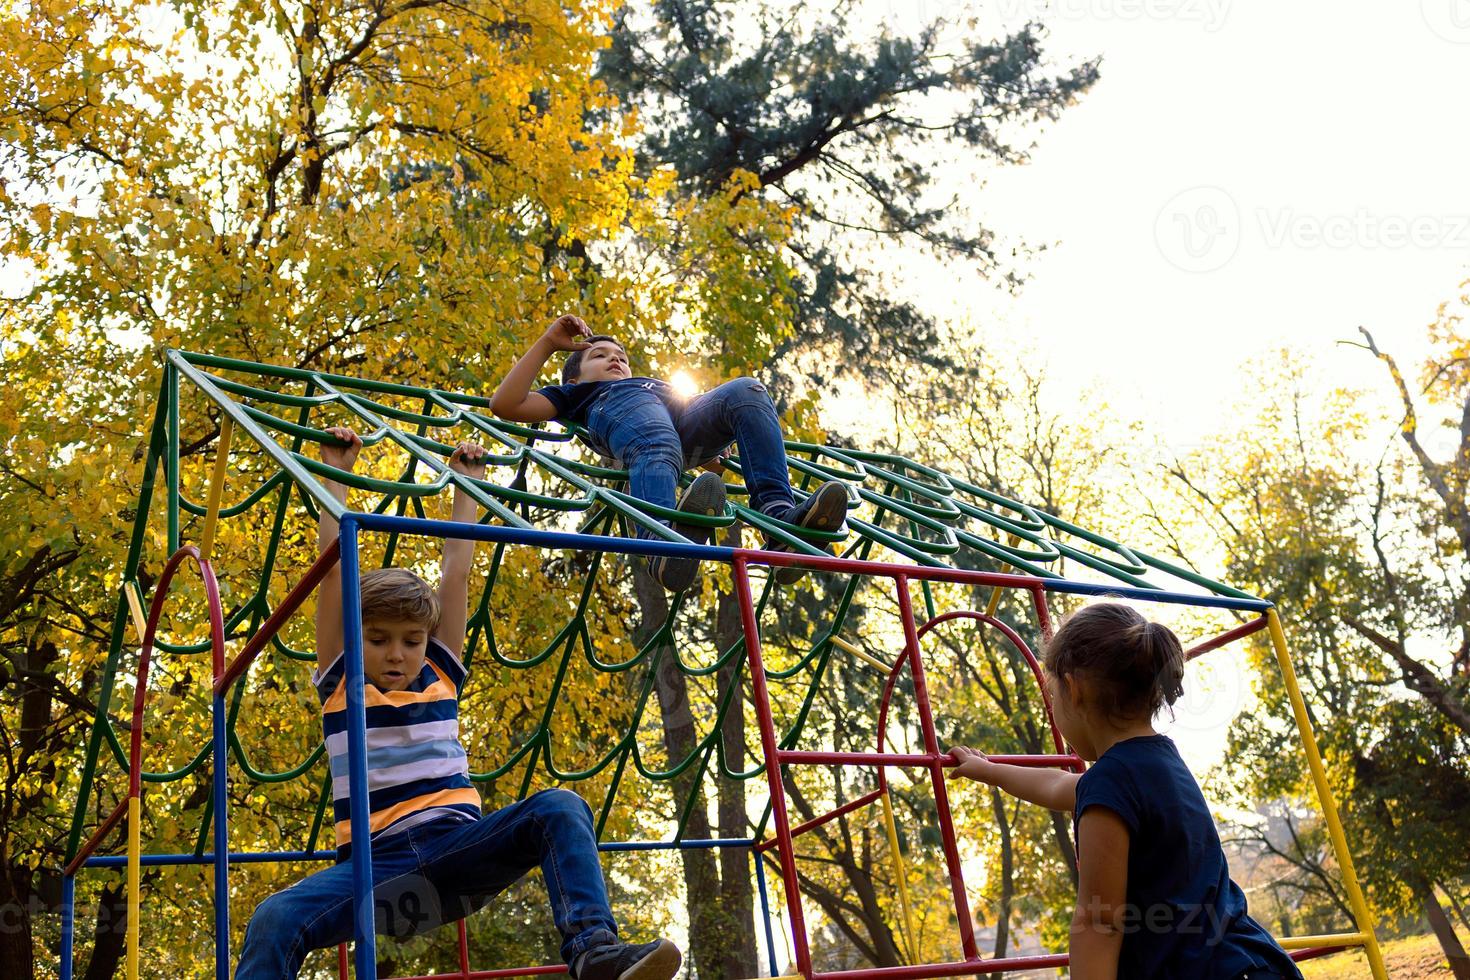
(573, 401)
(1185, 917)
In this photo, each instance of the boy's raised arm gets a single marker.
(329, 594)
(514, 400)
(459, 553)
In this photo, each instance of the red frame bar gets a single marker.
(955, 969)
(936, 770)
(464, 948)
(1229, 636)
(155, 612)
(909, 759)
(268, 629)
(769, 746)
(1311, 954)
(522, 971)
(1031, 661)
(825, 818)
(118, 813)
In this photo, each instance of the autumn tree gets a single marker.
(1342, 516)
(401, 189)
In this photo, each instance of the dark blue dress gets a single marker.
(1185, 917)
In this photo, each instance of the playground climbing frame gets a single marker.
(910, 526)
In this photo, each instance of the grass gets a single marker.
(1414, 958)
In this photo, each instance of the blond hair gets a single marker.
(398, 594)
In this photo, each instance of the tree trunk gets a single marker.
(17, 958)
(701, 876)
(1444, 930)
(1062, 833)
(1007, 879)
(1455, 904)
(112, 933)
(737, 897)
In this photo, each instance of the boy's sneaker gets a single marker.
(658, 960)
(824, 510)
(706, 495)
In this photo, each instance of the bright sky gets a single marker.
(1243, 175)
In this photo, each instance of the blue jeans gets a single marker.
(656, 435)
(440, 872)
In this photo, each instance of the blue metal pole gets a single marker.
(679, 845)
(221, 844)
(365, 951)
(264, 857)
(238, 857)
(760, 878)
(630, 546)
(68, 922)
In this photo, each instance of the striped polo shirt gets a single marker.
(417, 769)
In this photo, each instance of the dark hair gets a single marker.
(397, 593)
(572, 369)
(1135, 666)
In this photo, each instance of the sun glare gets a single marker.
(683, 382)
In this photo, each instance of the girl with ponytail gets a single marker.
(1154, 895)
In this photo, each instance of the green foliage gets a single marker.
(1325, 503)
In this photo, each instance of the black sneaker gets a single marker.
(658, 960)
(706, 495)
(824, 509)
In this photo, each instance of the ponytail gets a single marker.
(1136, 667)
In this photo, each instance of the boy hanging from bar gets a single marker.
(435, 856)
(656, 433)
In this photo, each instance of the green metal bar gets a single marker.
(120, 617)
(171, 379)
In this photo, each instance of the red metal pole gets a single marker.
(464, 949)
(772, 752)
(318, 571)
(1019, 644)
(97, 836)
(520, 971)
(1311, 954)
(936, 770)
(150, 629)
(341, 961)
(800, 829)
(1043, 615)
(1229, 636)
(978, 966)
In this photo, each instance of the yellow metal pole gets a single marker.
(873, 662)
(909, 932)
(994, 603)
(1332, 939)
(1361, 912)
(216, 486)
(134, 853)
(135, 606)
